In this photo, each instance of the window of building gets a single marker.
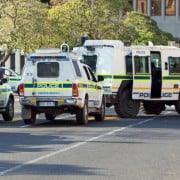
(170, 8)
(156, 8)
(142, 6)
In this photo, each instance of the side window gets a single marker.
(174, 65)
(76, 67)
(155, 59)
(93, 78)
(141, 64)
(90, 61)
(128, 64)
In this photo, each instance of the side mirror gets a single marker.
(100, 78)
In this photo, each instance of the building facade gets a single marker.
(165, 12)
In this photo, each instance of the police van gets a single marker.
(135, 77)
(6, 98)
(54, 81)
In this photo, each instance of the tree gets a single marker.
(30, 24)
(104, 19)
(140, 29)
(21, 25)
(76, 18)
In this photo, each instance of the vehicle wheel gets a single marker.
(49, 117)
(126, 107)
(153, 107)
(8, 115)
(82, 114)
(31, 120)
(177, 107)
(101, 115)
(27, 121)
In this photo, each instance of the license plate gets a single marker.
(46, 103)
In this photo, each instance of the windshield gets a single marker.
(90, 61)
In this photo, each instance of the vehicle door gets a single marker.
(141, 74)
(156, 74)
(94, 92)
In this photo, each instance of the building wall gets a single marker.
(16, 61)
(165, 12)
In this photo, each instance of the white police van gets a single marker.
(6, 98)
(55, 82)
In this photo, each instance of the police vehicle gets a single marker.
(14, 79)
(6, 98)
(54, 81)
(135, 75)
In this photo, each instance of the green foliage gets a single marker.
(29, 24)
(23, 25)
(144, 29)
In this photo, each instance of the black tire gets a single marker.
(31, 120)
(153, 107)
(177, 107)
(8, 115)
(101, 115)
(126, 107)
(27, 121)
(82, 114)
(49, 117)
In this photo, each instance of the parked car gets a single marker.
(13, 78)
(53, 83)
(6, 98)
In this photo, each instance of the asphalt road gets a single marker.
(144, 148)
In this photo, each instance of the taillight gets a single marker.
(75, 92)
(21, 90)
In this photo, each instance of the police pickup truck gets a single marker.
(55, 82)
(6, 98)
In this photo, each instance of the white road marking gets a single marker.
(73, 146)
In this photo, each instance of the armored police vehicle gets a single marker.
(135, 75)
(54, 81)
